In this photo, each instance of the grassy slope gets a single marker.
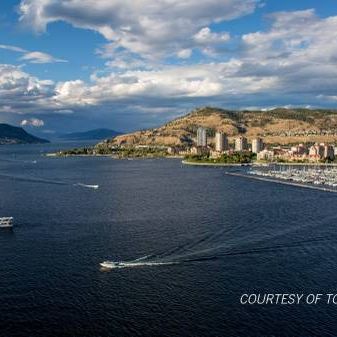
(282, 126)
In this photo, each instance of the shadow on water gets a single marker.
(7, 233)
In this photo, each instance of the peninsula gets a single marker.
(216, 135)
(15, 135)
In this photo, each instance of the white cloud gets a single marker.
(39, 57)
(32, 57)
(32, 122)
(206, 36)
(12, 48)
(151, 28)
(22, 93)
(170, 82)
(293, 61)
(184, 53)
(298, 49)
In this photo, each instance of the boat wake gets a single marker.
(33, 179)
(95, 187)
(214, 253)
(46, 181)
(106, 265)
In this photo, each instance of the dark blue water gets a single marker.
(226, 235)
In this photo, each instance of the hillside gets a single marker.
(281, 126)
(14, 135)
(96, 134)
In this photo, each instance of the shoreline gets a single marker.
(112, 156)
(282, 182)
(303, 164)
(186, 162)
(255, 163)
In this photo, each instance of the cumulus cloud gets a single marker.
(297, 49)
(206, 36)
(283, 64)
(22, 92)
(151, 28)
(32, 122)
(292, 61)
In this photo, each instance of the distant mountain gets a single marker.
(96, 134)
(15, 135)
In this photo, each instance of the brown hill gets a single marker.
(281, 126)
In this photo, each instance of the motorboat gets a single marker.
(111, 264)
(6, 222)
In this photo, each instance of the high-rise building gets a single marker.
(257, 145)
(221, 142)
(329, 152)
(241, 144)
(201, 137)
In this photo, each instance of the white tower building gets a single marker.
(221, 142)
(257, 145)
(201, 137)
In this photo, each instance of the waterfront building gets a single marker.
(241, 144)
(299, 150)
(221, 142)
(201, 137)
(200, 150)
(257, 145)
(177, 150)
(266, 155)
(316, 152)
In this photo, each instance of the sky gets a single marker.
(75, 65)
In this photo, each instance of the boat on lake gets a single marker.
(111, 264)
(6, 222)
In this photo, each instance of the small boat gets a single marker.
(6, 222)
(111, 264)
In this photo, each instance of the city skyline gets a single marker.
(71, 66)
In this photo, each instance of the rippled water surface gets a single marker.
(195, 240)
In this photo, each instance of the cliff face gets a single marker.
(14, 135)
(283, 126)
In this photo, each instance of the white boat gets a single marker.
(111, 264)
(6, 222)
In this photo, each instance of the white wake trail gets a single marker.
(95, 187)
(142, 258)
(106, 265)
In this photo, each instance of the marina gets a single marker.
(274, 179)
(320, 176)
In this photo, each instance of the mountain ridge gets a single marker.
(94, 134)
(276, 126)
(10, 134)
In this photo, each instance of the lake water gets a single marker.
(224, 235)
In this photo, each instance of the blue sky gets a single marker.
(72, 65)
